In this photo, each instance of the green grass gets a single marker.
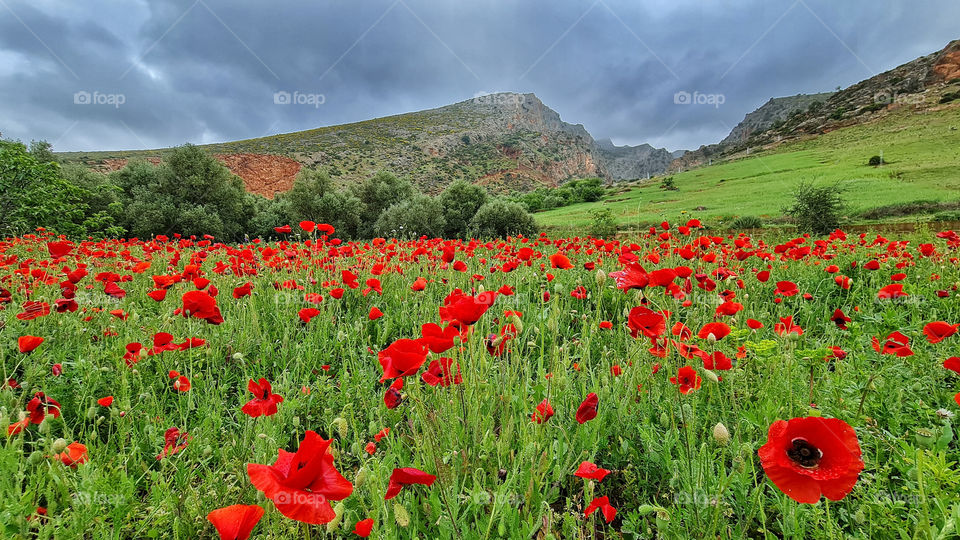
(499, 474)
(922, 164)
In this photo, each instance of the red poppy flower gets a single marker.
(633, 276)
(561, 261)
(543, 412)
(892, 291)
(27, 344)
(754, 324)
(441, 372)
(240, 292)
(264, 402)
(307, 314)
(308, 226)
(363, 528)
(437, 339)
(405, 477)
(419, 284)
(896, 343)
(302, 484)
(402, 358)
(786, 288)
(105, 401)
(464, 309)
(56, 369)
(602, 504)
(809, 457)
(182, 384)
(33, 310)
(605, 325)
(953, 364)
(40, 406)
(201, 305)
(591, 472)
(392, 397)
(717, 361)
(381, 434)
(236, 522)
(375, 313)
(939, 331)
(588, 409)
(158, 295)
(370, 448)
(687, 379)
(718, 330)
(651, 324)
(283, 229)
(174, 441)
(786, 327)
(75, 454)
(840, 319)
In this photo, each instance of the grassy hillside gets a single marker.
(922, 151)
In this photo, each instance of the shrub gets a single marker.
(33, 193)
(501, 218)
(603, 224)
(947, 97)
(747, 222)
(817, 209)
(460, 202)
(378, 193)
(875, 161)
(668, 184)
(417, 216)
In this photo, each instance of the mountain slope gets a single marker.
(506, 142)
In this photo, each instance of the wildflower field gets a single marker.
(674, 384)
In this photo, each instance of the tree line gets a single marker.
(192, 193)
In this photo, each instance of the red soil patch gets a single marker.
(262, 174)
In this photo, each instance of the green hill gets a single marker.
(920, 149)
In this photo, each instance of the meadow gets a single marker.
(921, 163)
(669, 384)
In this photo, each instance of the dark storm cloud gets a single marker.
(167, 72)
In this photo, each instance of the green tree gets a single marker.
(417, 216)
(378, 193)
(191, 193)
(603, 224)
(499, 218)
(33, 194)
(460, 202)
(43, 151)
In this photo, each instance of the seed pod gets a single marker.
(340, 424)
(59, 445)
(601, 277)
(335, 522)
(360, 478)
(721, 434)
(400, 515)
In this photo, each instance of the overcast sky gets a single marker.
(159, 73)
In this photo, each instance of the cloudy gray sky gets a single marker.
(164, 72)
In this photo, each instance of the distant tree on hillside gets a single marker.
(378, 193)
(460, 202)
(417, 216)
(500, 218)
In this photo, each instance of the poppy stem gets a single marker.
(863, 397)
(810, 399)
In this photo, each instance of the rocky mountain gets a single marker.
(772, 112)
(920, 84)
(631, 162)
(506, 142)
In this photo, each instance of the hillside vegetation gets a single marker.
(921, 163)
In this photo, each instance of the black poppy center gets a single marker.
(804, 454)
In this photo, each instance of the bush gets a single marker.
(417, 216)
(817, 209)
(747, 222)
(500, 218)
(668, 184)
(191, 193)
(314, 198)
(603, 224)
(875, 161)
(460, 202)
(949, 96)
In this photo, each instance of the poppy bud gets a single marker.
(360, 478)
(296, 421)
(91, 413)
(400, 514)
(207, 450)
(721, 434)
(517, 323)
(35, 457)
(338, 517)
(59, 445)
(341, 426)
(645, 509)
(601, 277)
(711, 338)
(237, 356)
(709, 375)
